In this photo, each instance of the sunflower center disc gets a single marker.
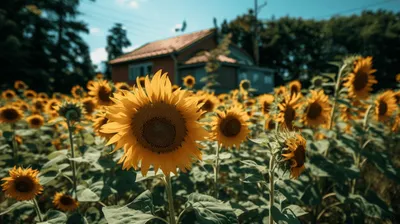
(207, 106)
(36, 121)
(66, 200)
(318, 82)
(10, 114)
(266, 107)
(159, 132)
(314, 111)
(360, 81)
(230, 127)
(289, 116)
(300, 155)
(89, 107)
(382, 108)
(23, 184)
(9, 95)
(294, 90)
(189, 82)
(104, 94)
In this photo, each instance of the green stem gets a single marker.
(168, 188)
(336, 94)
(271, 187)
(216, 171)
(37, 209)
(15, 149)
(72, 162)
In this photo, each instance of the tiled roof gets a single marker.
(204, 58)
(163, 47)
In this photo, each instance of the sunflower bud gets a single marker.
(72, 110)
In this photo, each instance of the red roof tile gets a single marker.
(163, 47)
(204, 58)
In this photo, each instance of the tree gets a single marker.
(116, 41)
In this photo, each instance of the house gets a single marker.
(187, 55)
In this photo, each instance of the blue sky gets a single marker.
(149, 20)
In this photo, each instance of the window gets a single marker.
(139, 70)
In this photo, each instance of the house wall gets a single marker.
(120, 72)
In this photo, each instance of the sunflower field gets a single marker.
(160, 153)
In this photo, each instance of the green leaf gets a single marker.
(150, 175)
(101, 189)
(8, 135)
(76, 218)
(283, 218)
(25, 132)
(48, 176)
(252, 164)
(92, 155)
(15, 206)
(54, 217)
(87, 195)
(88, 139)
(369, 209)
(294, 209)
(210, 210)
(136, 212)
(54, 161)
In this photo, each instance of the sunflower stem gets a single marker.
(168, 188)
(216, 171)
(72, 162)
(15, 148)
(271, 187)
(37, 209)
(336, 97)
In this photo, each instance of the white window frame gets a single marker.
(132, 77)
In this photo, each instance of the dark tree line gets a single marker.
(40, 43)
(300, 49)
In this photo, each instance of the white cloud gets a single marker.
(98, 55)
(130, 3)
(129, 49)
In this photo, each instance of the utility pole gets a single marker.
(257, 9)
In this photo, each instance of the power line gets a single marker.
(357, 8)
(107, 10)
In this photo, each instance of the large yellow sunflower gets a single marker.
(65, 202)
(230, 127)
(156, 127)
(295, 87)
(8, 94)
(22, 184)
(140, 81)
(35, 121)
(78, 92)
(265, 102)
(102, 92)
(317, 109)
(30, 94)
(287, 110)
(20, 85)
(385, 106)
(174, 87)
(189, 81)
(295, 152)
(360, 80)
(10, 114)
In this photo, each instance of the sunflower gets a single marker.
(245, 85)
(175, 87)
(21, 105)
(230, 127)
(65, 202)
(20, 85)
(22, 184)
(122, 86)
(57, 96)
(8, 94)
(295, 152)
(57, 143)
(266, 101)
(43, 96)
(101, 91)
(89, 84)
(223, 97)
(38, 105)
(385, 106)
(250, 102)
(269, 123)
(89, 105)
(398, 77)
(30, 94)
(156, 126)
(70, 110)
(360, 80)
(208, 102)
(78, 92)
(397, 97)
(10, 114)
(189, 81)
(295, 87)
(318, 82)
(287, 110)
(99, 120)
(49, 107)
(317, 109)
(35, 121)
